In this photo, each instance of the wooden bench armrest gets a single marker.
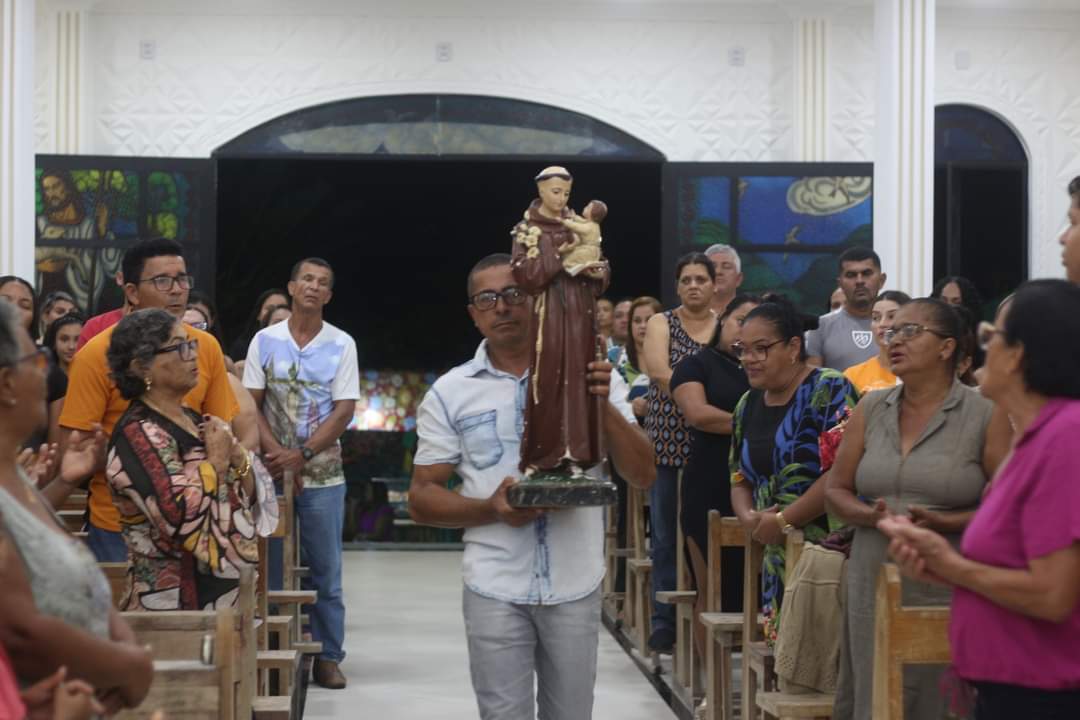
(292, 597)
(785, 705)
(727, 622)
(676, 597)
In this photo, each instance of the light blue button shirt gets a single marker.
(473, 418)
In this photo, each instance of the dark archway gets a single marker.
(980, 201)
(402, 194)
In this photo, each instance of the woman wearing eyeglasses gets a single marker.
(924, 449)
(875, 373)
(21, 294)
(1015, 620)
(55, 606)
(775, 457)
(185, 488)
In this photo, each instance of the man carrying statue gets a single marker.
(531, 577)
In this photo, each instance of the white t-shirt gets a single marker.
(302, 385)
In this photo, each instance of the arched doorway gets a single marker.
(980, 201)
(402, 194)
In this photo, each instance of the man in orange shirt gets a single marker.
(155, 276)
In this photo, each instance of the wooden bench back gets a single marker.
(117, 575)
(903, 636)
(724, 532)
(636, 509)
(754, 555)
(227, 636)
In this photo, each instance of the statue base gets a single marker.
(547, 489)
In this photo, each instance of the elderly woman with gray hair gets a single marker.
(55, 607)
(192, 499)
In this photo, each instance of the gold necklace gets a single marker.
(183, 421)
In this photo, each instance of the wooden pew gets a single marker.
(794, 706)
(290, 598)
(683, 599)
(612, 600)
(723, 629)
(117, 575)
(281, 643)
(903, 636)
(757, 669)
(637, 608)
(204, 662)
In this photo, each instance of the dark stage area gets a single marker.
(402, 234)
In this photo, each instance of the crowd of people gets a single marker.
(888, 427)
(179, 447)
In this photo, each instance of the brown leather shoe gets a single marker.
(328, 675)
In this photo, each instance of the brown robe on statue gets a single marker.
(562, 420)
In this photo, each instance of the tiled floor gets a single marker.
(406, 648)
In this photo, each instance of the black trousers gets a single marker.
(1014, 702)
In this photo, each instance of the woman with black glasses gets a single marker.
(775, 454)
(185, 488)
(924, 449)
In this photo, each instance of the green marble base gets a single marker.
(557, 490)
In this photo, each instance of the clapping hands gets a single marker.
(84, 455)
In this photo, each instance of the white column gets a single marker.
(17, 138)
(70, 34)
(811, 89)
(904, 148)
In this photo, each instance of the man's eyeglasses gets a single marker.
(488, 299)
(754, 352)
(40, 358)
(164, 283)
(186, 350)
(986, 333)
(910, 331)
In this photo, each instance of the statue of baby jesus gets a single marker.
(583, 252)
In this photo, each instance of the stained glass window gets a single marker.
(438, 125)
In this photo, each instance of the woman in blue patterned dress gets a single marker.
(775, 457)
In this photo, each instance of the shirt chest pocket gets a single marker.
(480, 438)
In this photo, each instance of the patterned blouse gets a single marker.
(664, 421)
(188, 532)
(64, 578)
(777, 451)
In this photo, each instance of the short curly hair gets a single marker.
(136, 337)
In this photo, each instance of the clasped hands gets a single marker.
(223, 450)
(763, 525)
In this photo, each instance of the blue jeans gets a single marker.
(107, 546)
(321, 515)
(510, 645)
(663, 520)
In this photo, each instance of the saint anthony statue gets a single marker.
(562, 419)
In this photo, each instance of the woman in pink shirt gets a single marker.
(1015, 621)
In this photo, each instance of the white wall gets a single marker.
(658, 70)
(660, 75)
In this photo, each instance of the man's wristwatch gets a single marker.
(307, 452)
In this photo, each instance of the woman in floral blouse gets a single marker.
(775, 454)
(192, 500)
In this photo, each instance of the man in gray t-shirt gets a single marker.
(843, 337)
(841, 340)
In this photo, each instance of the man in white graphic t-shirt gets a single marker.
(303, 375)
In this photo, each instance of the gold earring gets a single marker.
(149, 382)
